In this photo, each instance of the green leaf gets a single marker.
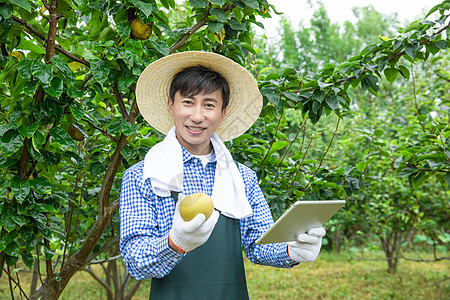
(323, 85)
(31, 46)
(218, 2)
(30, 87)
(97, 168)
(9, 238)
(73, 92)
(447, 178)
(48, 253)
(42, 185)
(28, 131)
(215, 26)
(42, 207)
(64, 68)
(378, 132)
(12, 249)
(252, 3)
(19, 220)
(11, 142)
(277, 146)
(22, 3)
(11, 260)
(6, 10)
(435, 8)
(318, 95)
(43, 229)
(124, 82)
(369, 81)
(391, 74)
(100, 70)
(62, 137)
(114, 126)
(20, 188)
(123, 29)
(74, 158)
(442, 44)
(6, 163)
(332, 101)
(405, 172)
(27, 259)
(236, 25)
(42, 72)
(404, 71)
(31, 243)
(146, 8)
(273, 98)
(77, 110)
(128, 128)
(411, 50)
(6, 74)
(198, 3)
(24, 68)
(221, 17)
(55, 88)
(316, 106)
(291, 96)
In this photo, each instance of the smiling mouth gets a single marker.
(195, 129)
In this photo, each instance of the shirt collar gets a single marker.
(188, 156)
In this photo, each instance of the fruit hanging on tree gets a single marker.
(140, 30)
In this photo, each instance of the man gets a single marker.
(199, 100)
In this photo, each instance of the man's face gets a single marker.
(196, 119)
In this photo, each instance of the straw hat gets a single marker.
(152, 91)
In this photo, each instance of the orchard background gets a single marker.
(359, 112)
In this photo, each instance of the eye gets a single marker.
(187, 102)
(210, 105)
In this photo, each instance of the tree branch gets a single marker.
(194, 28)
(18, 285)
(120, 102)
(274, 137)
(323, 156)
(98, 279)
(30, 29)
(101, 130)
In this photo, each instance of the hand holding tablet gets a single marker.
(299, 218)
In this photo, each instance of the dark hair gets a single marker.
(192, 81)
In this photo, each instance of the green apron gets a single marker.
(215, 270)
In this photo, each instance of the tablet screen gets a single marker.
(299, 218)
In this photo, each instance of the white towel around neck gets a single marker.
(163, 164)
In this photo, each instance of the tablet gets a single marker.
(299, 218)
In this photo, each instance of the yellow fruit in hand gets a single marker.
(140, 30)
(194, 204)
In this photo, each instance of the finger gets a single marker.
(195, 223)
(209, 224)
(317, 232)
(300, 247)
(308, 239)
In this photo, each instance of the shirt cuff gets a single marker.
(283, 255)
(168, 252)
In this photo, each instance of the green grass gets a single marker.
(332, 276)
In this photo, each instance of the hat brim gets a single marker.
(152, 91)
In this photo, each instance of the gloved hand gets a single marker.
(191, 234)
(307, 246)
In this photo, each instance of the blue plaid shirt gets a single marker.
(145, 220)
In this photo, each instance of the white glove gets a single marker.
(307, 246)
(191, 234)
